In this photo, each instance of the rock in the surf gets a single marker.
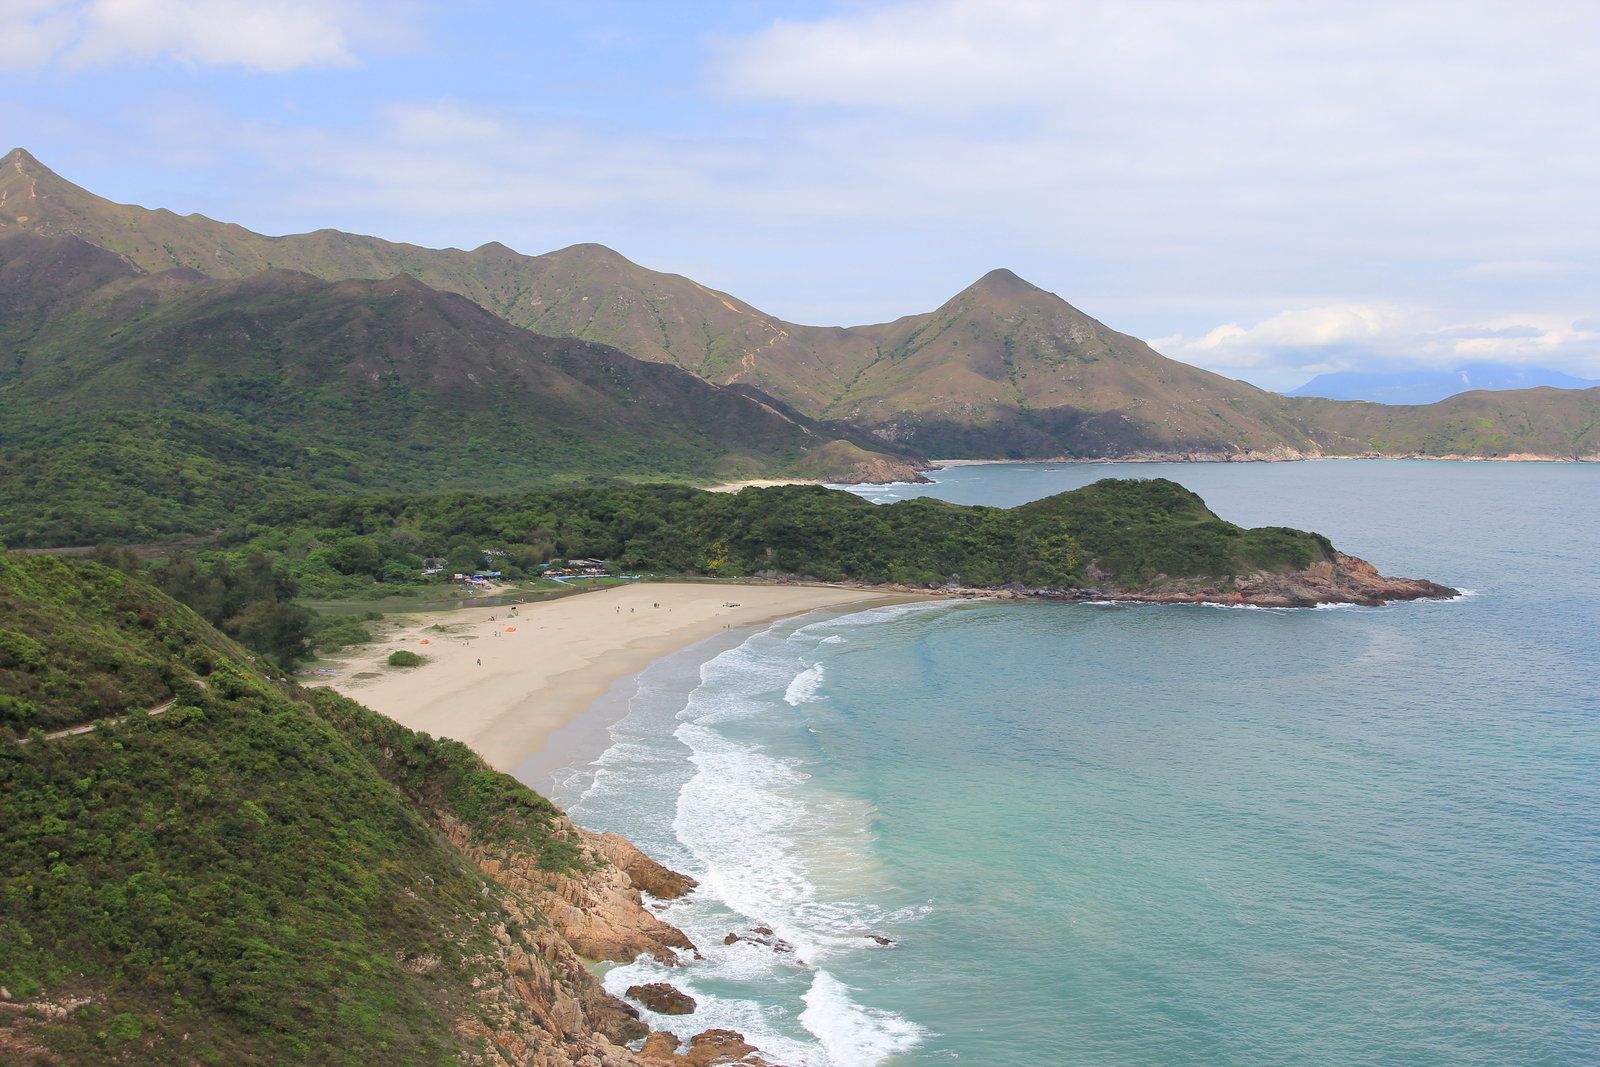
(662, 997)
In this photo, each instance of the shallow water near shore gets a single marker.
(1153, 835)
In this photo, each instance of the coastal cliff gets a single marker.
(535, 1001)
(206, 863)
(543, 1007)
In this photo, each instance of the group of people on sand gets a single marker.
(497, 632)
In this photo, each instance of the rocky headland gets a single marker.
(1341, 580)
(547, 1009)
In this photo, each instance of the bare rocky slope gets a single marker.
(1003, 369)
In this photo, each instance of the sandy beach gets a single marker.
(503, 682)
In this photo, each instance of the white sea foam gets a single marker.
(1231, 607)
(851, 1034)
(770, 845)
(803, 690)
(873, 617)
(755, 1021)
(773, 847)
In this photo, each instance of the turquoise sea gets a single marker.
(1154, 835)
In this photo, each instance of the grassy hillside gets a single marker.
(84, 643)
(1139, 531)
(137, 406)
(1564, 423)
(1002, 369)
(256, 875)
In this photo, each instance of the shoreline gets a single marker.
(576, 744)
(1285, 456)
(587, 735)
(759, 483)
(1257, 457)
(504, 684)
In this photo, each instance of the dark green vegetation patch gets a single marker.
(1135, 530)
(243, 878)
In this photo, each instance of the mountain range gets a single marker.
(339, 360)
(143, 405)
(1421, 385)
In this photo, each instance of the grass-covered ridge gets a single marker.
(1132, 532)
(251, 877)
(79, 643)
(138, 407)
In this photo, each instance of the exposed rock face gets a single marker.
(663, 998)
(881, 472)
(717, 1046)
(601, 915)
(706, 1049)
(661, 1046)
(645, 873)
(1342, 580)
(546, 1009)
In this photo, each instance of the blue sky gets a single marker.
(1270, 190)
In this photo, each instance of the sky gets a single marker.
(1268, 190)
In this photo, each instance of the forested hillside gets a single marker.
(249, 872)
(137, 406)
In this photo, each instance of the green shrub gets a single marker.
(333, 632)
(401, 657)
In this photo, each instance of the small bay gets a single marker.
(1156, 835)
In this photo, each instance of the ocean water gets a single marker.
(1154, 835)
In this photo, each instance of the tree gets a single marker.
(465, 558)
(281, 630)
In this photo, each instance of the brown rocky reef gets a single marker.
(705, 1049)
(1341, 580)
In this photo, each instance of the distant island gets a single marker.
(1422, 386)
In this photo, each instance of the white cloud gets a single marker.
(1308, 130)
(266, 35)
(1292, 346)
(32, 31)
(1386, 171)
